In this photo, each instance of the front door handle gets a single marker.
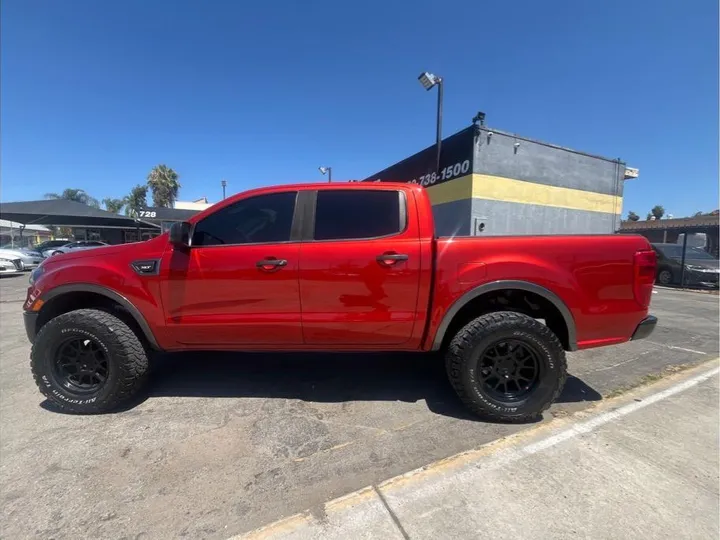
(271, 265)
(388, 259)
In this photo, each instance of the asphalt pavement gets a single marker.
(224, 443)
(643, 466)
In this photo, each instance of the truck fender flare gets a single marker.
(112, 295)
(548, 295)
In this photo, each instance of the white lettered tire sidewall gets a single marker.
(127, 360)
(470, 342)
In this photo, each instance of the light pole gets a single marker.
(428, 80)
(223, 183)
(326, 170)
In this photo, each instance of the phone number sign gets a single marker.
(456, 156)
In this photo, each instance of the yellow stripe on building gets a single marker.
(498, 188)
(454, 190)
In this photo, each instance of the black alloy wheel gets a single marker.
(509, 369)
(506, 366)
(81, 365)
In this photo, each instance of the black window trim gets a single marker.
(295, 229)
(309, 229)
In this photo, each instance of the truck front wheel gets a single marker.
(88, 361)
(506, 366)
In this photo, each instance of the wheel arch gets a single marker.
(57, 298)
(569, 339)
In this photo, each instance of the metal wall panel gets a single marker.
(509, 218)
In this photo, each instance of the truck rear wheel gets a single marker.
(506, 366)
(88, 361)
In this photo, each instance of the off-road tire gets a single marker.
(461, 362)
(127, 360)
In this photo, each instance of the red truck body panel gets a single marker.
(337, 295)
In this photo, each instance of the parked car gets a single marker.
(49, 244)
(701, 268)
(10, 265)
(337, 267)
(74, 246)
(28, 257)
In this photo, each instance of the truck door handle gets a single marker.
(271, 265)
(389, 259)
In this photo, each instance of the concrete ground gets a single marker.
(225, 443)
(643, 466)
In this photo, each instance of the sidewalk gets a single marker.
(645, 465)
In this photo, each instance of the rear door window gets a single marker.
(358, 214)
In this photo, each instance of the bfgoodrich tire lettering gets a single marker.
(492, 332)
(124, 359)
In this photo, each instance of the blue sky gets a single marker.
(96, 93)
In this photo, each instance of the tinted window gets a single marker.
(357, 214)
(262, 219)
(675, 252)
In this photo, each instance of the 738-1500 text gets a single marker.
(447, 173)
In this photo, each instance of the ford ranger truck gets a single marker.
(337, 267)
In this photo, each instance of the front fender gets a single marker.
(139, 295)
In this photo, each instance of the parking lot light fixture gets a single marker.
(428, 80)
(326, 170)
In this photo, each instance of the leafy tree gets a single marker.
(77, 195)
(649, 216)
(658, 211)
(113, 205)
(163, 182)
(136, 200)
(698, 214)
(632, 216)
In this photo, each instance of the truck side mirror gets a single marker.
(180, 233)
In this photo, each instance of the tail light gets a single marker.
(644, 267)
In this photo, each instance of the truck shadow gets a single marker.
(323, 378)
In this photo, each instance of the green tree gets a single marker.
(77, 195)
(136, 200)
(113, 205)
(163, 182)
(649, 216)
(632, 216)
(657, 211)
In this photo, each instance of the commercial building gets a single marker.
(77, 221)
(19, 235)
(493, 183)
(702, 231)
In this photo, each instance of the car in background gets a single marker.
(9, 265)
(47, 245)
(74, 246)
(29, 258)
(701, 268)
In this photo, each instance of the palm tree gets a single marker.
(658, 211)
(113, 205)
(136, 200)
(163, 182)
(77, 195)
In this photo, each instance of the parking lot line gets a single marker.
(430, 481)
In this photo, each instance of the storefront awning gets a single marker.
(64, 213)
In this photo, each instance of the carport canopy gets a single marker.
(64, 213)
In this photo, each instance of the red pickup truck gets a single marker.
(337, 267)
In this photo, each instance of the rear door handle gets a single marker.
(271, 265)
(388, 259)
